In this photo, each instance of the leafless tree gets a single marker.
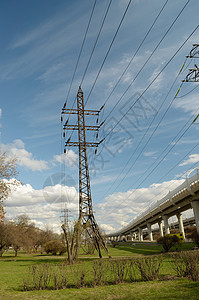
(72, 236)
(7, 172)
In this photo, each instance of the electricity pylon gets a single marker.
(193, 75)
(85, 200)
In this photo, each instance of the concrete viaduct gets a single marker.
(182, 198)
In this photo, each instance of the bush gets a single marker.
(39, 277)
(195, 237)
(149, 267)
(118, 269)
(54, 247)
(185, 264)
(99, 270)
(168, 241)
(132, 270)
(80, 273)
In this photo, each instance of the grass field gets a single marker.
(13, 270)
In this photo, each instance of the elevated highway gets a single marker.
(182, 198)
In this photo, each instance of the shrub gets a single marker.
(186, 264)
(149, 267)
(167, 241)
(60, 277)
(54, 247)
(132, 270)
(80, 273)
(118, 269)
(39, 277)
(195, 237)
(99, 270)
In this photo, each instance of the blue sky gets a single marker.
(40, 44)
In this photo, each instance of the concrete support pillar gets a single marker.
(166, 224)
(140, 234)
(150, 232)
(181, 225)
(195, 206)
(131, 234)
(161, 228)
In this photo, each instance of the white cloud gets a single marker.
(70, 157)
(106, 227)
(43, 206)
(159, 81)
(24, 158)
(188, 104)
(120, 208)
(151, 153)
(193, 158)
(0, 112)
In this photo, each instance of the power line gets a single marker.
(98, 35)
(166, 189)
(96, 41)
(109, 49)
(153, 80)
(91, 15)
(177, 164)
(148, 59)
(195, 87)
(132, 58)
(136, 52)
(162, 176)
(127, 163)
(106, 135)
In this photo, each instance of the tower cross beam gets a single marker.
(193, 75)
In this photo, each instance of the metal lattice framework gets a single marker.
(194, 53)
(85, 201)
(193, 75)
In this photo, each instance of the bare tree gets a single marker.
(72, 236)
(3, 238)
(7, 171)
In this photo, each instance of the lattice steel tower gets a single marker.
(85, 200)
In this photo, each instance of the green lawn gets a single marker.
(13, 270)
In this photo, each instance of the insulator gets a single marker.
(95, 151)
(61, 119)
(97, 120)
(196, 118)
(97, 136)
(64, 134)
(64, 150)
(64, 105)
(178, 92)
(102, 107)
(101, 141)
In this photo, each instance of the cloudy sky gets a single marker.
(130, 57)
